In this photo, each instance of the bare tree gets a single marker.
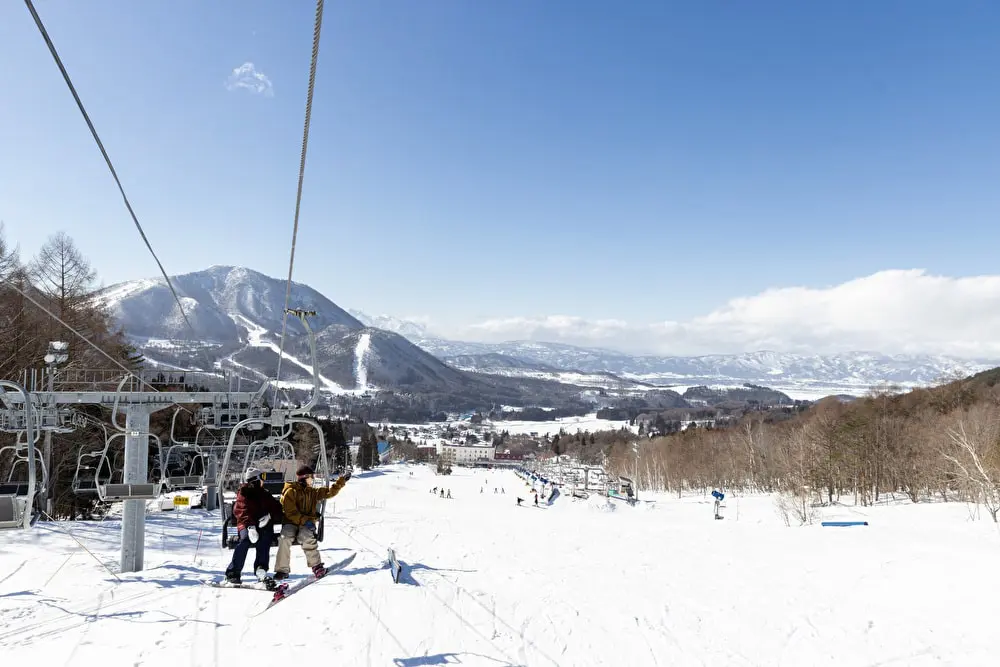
(8, 258)
(62, 273)
(973, 448)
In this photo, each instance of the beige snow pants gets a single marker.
(307, 540)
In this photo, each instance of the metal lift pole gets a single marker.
(136, 464)
(211, 490)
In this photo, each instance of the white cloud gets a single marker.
(247, 76)
(896, 312)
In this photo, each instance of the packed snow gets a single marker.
(485, 582)
(255, 334)
(361, 361)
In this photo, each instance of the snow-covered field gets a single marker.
(568, 424)
(489, 583)
(432, 432)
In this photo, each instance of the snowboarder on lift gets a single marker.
(300, 503)
(255, 510)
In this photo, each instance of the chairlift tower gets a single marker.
(138, 405)
(32, 411)
(58, 353)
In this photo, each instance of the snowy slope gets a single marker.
(488, 583)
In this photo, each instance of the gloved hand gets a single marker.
(346, 476)
(263, 520)
(252, 534)
(311, 525)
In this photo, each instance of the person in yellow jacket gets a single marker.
(300, 504)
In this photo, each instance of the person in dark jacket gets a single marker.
(300, 504)
(255, 511)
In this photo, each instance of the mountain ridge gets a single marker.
(853, 369)
(237, 315)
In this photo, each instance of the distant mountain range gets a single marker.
(237, 313)
(849, 372)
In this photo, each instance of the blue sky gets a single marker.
(511, 160)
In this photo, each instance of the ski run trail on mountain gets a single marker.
(590, 583)
(361, 361)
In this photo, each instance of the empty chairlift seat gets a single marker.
(141, 491)
(13, 503)
(185, 482)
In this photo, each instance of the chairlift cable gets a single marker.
(107, 159)
(80, 335)
(317, 27)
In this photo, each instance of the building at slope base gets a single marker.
(456, 454)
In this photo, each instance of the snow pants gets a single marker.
(241, 549)
(307, 540)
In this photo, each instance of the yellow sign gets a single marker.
(181, 501)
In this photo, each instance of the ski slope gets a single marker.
(589, 583)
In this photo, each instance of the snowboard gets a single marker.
(395, 569)
(285, 590)
(268, 584)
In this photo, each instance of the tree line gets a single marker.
(938, 443)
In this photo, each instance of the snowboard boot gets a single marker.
(278, 576)
(262, 577)
(319, 571)
(233, 577)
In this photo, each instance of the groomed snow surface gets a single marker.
(581, 583)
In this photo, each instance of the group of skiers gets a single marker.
(256, 511)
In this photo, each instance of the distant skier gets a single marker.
(449, 494)
(254, 509)
(300, 502)
(519, 501)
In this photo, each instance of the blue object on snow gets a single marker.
(840, 524)
(718, 495)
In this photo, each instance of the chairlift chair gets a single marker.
(114, 487)
(15, 497)
(276, 457)
(87, 476)
(184, 468)
(279, 419)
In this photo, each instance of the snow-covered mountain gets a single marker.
(236, 315)
(218, 301)
(849, 372)
(406, 328)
